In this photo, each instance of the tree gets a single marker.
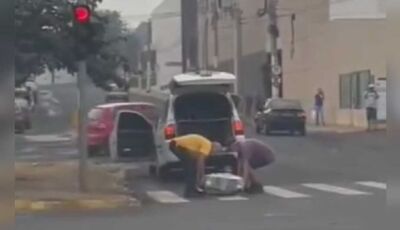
(45, 36)
(102, 66)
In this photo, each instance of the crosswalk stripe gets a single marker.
(233, 198)
(334, 189)
(166, 197)
(283, 193)
(373, 184)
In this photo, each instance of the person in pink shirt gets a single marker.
(252, 154)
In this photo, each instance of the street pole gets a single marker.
(216, 34)
(184, 35)
(273, 39)
(82, 117)
(205, 46)
(148, 56)
(203, 34)
(237, 35)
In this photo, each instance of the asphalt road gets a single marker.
(316, 183)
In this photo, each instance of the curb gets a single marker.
(32, 206)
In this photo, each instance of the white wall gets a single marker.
(357, 9)
(167, 40)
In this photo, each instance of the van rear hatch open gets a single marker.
(206, 113)
(213, 81)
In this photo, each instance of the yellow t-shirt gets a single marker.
(194, 145)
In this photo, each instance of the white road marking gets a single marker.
(232, 198)
(166, 197)
(279, 215)
(373, 184)
(30, 157)
(46, 138)
(51, 113)
(68, 153)
(283, 193)
(27, 150)
(334, 189)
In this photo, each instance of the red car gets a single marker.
(102, 119)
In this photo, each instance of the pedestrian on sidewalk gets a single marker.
(193, 150)
(319, 99)
(371, 102)
(252, 154)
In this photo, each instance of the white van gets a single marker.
(198, 104)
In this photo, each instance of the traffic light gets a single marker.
(82, 14)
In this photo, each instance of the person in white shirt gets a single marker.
(371, 103)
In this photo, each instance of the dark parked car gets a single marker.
(281, 115)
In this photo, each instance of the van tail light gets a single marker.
(169, 132)
(238, 128)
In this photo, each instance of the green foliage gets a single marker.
(47, 37)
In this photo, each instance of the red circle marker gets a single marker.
(82, 14)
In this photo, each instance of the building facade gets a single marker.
(167, 27)
(338, 47)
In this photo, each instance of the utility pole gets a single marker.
(203, 34)
(184, 35)
(190, 35)
(214, 22)
(271, 46)
(82, 17)
(82, 115)
(148, 56)
(274, 35)
(237, 35)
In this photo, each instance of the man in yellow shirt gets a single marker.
(193, 150)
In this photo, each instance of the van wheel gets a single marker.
(163, 173)
(152, 170)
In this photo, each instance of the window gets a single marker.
(352, 87)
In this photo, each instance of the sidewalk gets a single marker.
(339, 129)
(333, 129)
(311, 128)
(54, 186)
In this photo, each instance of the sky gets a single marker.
(132, 11)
